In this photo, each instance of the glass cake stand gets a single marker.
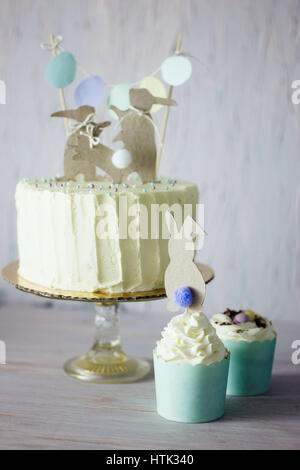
(106, 362)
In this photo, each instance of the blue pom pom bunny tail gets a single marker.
(183, 297)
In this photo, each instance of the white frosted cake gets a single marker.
(59, 228)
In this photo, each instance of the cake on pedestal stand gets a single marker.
(106, 362)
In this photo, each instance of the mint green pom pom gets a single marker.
(61, 70)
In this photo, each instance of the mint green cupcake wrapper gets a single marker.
(250, 367)
(190, 394)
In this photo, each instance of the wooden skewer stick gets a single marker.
(61, 91)
(164, 129)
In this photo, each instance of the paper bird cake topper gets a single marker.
(184, 284)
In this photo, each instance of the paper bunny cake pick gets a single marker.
(184, 284)
(84, 151)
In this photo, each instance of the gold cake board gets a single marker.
(10, 275)
(106, 361)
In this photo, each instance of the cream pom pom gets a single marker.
(121, 159)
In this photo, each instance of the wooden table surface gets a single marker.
(42, 408)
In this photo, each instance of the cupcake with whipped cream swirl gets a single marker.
(190, 338)
(191, 369)
(190, 362)
(251, 340)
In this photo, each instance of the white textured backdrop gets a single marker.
(236, 132)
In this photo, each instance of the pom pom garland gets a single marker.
(176, 70)
(90, 91)
(61, 70)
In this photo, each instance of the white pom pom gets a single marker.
(121, 159)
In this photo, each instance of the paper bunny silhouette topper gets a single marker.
(184, 283)
(138, 131)
(84, 151)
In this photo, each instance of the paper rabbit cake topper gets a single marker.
(84, 151)
(138, 131)
(84, 138)
(184, 284)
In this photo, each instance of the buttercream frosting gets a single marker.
(190, 338)
(257, 329)
(59, 227)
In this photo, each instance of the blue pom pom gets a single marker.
(183, 297)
